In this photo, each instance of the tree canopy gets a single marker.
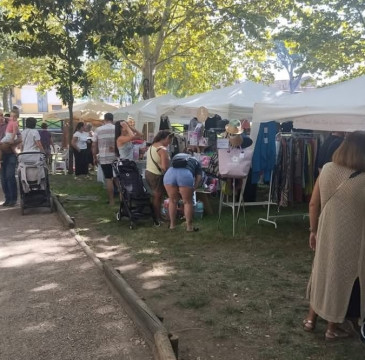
(198, 44)
(329, 34)
(182, 46)
(63, 33)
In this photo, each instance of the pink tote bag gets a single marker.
(234, 162)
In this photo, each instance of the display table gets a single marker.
(204, 197)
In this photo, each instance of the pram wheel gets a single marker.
(132, 226)
(117, 215)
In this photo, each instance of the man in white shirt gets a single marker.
(104, 145)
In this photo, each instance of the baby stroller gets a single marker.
(135, 202)
(33, 181)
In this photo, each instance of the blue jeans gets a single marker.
(8, 181)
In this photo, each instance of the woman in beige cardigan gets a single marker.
(337, 235)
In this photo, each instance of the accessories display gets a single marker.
(234, 163)
(234, 127)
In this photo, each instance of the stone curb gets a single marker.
(155, 333)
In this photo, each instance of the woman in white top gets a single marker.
(79, 144)
(124, 135)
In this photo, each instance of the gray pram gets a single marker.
(33, 181)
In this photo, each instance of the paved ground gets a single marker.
(54, 304)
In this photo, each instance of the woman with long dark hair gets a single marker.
(124, 135)
(79, 144)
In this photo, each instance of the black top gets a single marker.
(326, 151)
(192, 164)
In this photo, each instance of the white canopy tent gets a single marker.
(143, 112)
(339, 107)
(232, 102)
(86, 111)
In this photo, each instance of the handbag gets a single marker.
(234, 162)
(213, 166)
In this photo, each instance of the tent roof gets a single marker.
(338, 107)
(232, 102)
(86, 111)
(143, 111)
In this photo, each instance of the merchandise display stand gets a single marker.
(224, 200)
(271, 219)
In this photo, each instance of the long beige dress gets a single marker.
(340, 249)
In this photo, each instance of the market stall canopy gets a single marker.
(338, 107)
(232, 102)
(89, 111)
(144, 111)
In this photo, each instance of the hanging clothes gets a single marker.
(294, 174)
(263, 160)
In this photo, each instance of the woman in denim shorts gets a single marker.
(182, 181)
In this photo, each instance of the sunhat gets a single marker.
(234, 127)
(202, 114)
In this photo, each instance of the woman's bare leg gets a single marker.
(156, 202)
(187, 197)
(309, 322)
(173, 194)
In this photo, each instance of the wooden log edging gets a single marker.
(88, 250)
(137, 309)
(65, 218)
(155, 333)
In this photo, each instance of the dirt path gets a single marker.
(54, 302)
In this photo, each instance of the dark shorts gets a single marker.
(155, 182)
(107, 170)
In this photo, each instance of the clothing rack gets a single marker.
(271, 219)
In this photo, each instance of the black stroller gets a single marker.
(33, 181)
(135, 202)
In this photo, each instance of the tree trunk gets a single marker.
(148, 83)
(70, 132)
(7, 99)
(294, 82)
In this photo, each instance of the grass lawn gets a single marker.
(225, 298)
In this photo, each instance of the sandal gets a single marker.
(337, 334)
(308, 325)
